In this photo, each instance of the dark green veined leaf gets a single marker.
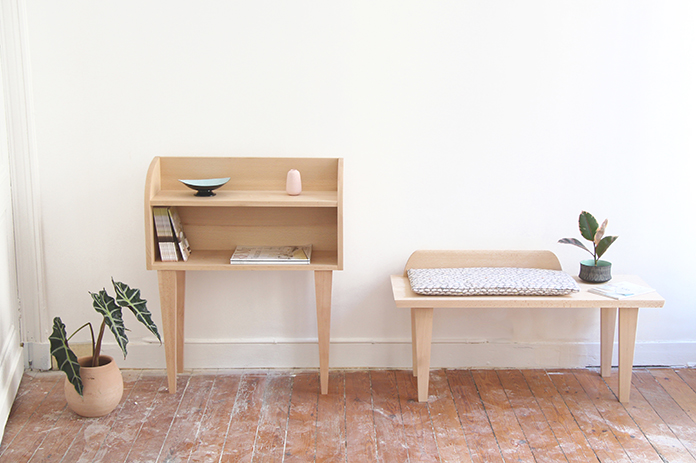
(574, 242)
(604, 245)
(127, 297)
(65, 357)
(588, 225)
(106, 305)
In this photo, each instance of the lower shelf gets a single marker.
(220, 260)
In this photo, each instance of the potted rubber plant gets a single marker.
(93, 384)
(593, 270)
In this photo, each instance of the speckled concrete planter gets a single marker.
(592, 273)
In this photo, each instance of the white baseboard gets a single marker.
(265, 353)
(37, 355)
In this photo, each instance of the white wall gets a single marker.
(474, 124)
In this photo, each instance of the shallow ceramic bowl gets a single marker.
(205, 186)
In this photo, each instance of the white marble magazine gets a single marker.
(620, 290)
(272, 255)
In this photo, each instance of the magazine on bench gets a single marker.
(620, 290)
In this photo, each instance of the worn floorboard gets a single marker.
(368, 416)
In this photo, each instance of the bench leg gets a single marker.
(608, 327)
(422, 336)
(413, 342)
(628, 321)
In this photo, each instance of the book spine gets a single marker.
(165, 236)
(178, 228)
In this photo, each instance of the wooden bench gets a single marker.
(422, 307)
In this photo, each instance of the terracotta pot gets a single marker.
(103, 388)
(592, 273)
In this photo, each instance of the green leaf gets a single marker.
(588, 225)
(106, 305)
(574, 242)
(127, 297)
(604, 245)
(65, 357)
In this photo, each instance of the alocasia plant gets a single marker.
(110, 309)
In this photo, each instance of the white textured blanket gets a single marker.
(491, 281)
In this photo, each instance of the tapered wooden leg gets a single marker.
(423, 327)
(322, 286)
(180, 297)
(628, 321)
(171, 289)
(608, 327)
(413, 342)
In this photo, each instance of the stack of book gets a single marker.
(171, 239)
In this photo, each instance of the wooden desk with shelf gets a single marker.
(251, 209)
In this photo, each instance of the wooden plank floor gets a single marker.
(368, 415)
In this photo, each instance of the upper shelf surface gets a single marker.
(256, 198)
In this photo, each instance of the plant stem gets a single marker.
(97, 349)
(595, 253)
(75, 332)
(91, 332)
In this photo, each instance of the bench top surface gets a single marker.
(406, 298)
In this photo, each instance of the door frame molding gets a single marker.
(15, 60)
